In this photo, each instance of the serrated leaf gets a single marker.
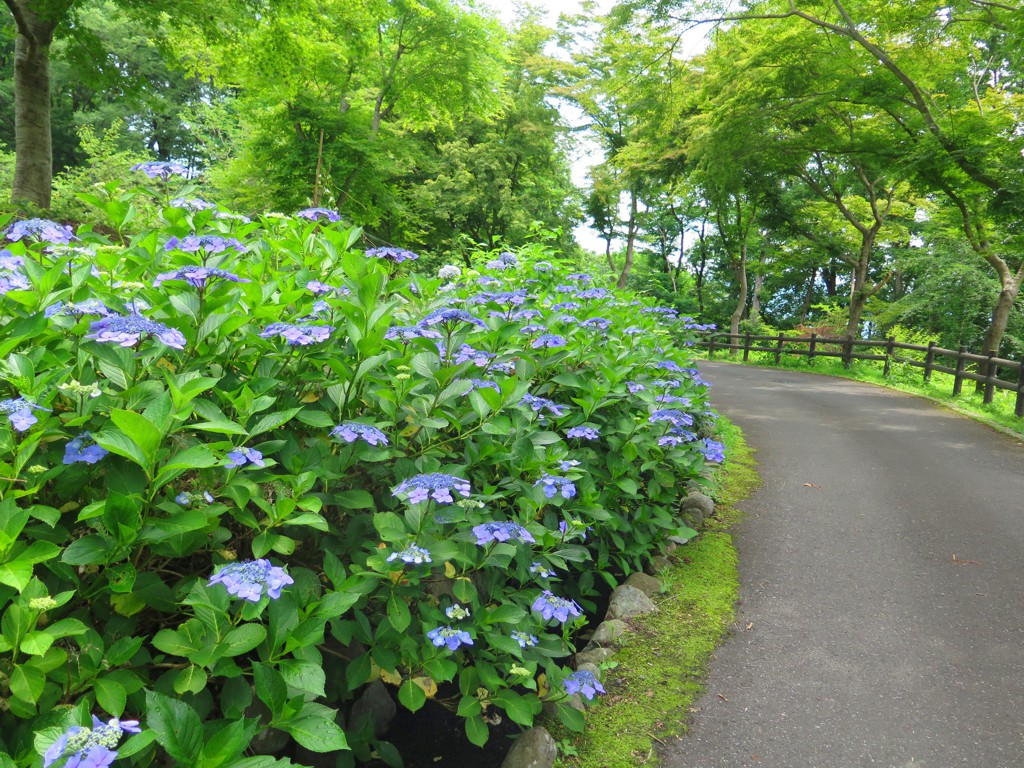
(411, 696)
(192, 679)
(110, 695)
(315, 729)
(398, 613)
(428, 685)
(391, 678)
(242, 639)
(177, 726)
(37, 642)
(477, 731)
(303, 675)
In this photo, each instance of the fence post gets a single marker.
(746, 347)
(847, 351)
(929, 361)
(958, 378)
(990, 379)
(1019, 408)
(778, 350)
(810, 350)
(889, 349)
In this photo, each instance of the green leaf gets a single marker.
(334, 604)
(26, 683)
(192, 679)
(37, 642)
(141, 430)
(93, 549)
(177, 726)
(122, 445)
(316, 729)
(220, 427)
(273, 420)
(411, 696)
(355, 499)
(571, 718)
(303, 675)
(518, 707)
(243, 639)
(270, 688)
(110, 695)
(476, 730)
(398, 613)
(228, 743)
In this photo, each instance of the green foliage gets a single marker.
(149, 468)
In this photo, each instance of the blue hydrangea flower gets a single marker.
(197, 276)
(481, 384)
(391, 253)
(451, 316)
(525, 639)
(527, 314)
(533, 328)
(449, 272)
(567, 306)
(596, 322)
(539, 404)
(633, 330)
(301, 334)
(676, 437)
(192, 204)
(434, 485)
(584, 433)
(552, 484)
(505, 298)
(208, 243)
(316, 214)
(667, 383)
(669, 365)
(670, 399)
(19, 412)
(411, 554)
(673, 416)
(635, 386)
(696, 377)
(90, 747)
(350, 431)
(713, 450)
(318, 288)
(501, 531)
(11, 277)
(247, 579)
(550, 340)
(187, 499)
(543, 266)
(127, 331)
(456, 612)
(83, 449)
(78, 309)
(241, 456)
(447, 636)
(541, 571)
(43, 230)
(568, 464)
(583, 682)
(159, 169)
(407, 333)
(468, 354)
(552, 606)
(579, 277)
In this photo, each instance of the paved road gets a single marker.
(859, 640)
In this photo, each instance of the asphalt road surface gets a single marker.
(881, 620)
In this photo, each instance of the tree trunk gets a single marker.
(741, 300)
(33, 167)
(1000, 316)
(630, 242)
(805, 310)
(755, 301)
(859, 291)
(608, 252)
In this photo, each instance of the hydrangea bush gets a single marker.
(248, 468)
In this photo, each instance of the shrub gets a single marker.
(246, 470)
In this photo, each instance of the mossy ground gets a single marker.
(660, 664)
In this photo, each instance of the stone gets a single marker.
(627, 602)
(591, 668)
(649, 585)
(695, 508)
(608, 632)
(534, 749)
(375, 705)
(658, 563)
(594, 655)
(678, 541)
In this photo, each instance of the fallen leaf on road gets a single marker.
(965, 562)
(722, 697)
(811, 485)
(750, 625)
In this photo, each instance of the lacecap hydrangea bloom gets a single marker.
(316, 214)
(159, 169)
(501, 531)
(673, 416)
(248, 579)
(350, 431)
(525, 639)
(435, 485)
(83, 449)
(19, 412)
(94, 747)
(541, 571)
(391, 253)
(713, 450)
(11, 277)
(300, 334)
(127, 331)
(451, 316)
(583, 433)
(449, 272)
(551, 606)
(192, 204)
(448, 636)
(187, 499)
(80, 308)
(197, 276)
(551, 340)
(43, 230)
(552, 484)
(584, 683)
(242, 456)
(538, 404)
(411, 554)
(408, 333)
(208, 243)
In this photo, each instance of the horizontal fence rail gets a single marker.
(961, 364)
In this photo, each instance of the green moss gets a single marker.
(659, 668)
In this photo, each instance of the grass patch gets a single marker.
(905, 378)
(659, 668)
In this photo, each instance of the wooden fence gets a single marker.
(985, 368)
